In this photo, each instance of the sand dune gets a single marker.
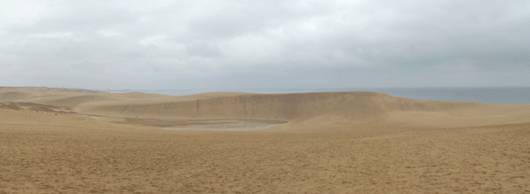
(274, 106)
(304, 111)
(346, 108)
(348, 142)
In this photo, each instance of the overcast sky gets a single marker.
(216, 45)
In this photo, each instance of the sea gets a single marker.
(490, 95)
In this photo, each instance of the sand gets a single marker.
(66, 141)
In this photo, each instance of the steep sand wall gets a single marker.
(278, 106)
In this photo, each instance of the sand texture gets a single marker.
(69, 141)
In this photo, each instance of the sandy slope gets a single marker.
(354, 142)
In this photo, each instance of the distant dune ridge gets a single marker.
(347, 106)
(297, 106)
(60, 140)
(342, 107)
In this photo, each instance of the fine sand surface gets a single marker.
(68, 141)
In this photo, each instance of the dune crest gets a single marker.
(75, 101)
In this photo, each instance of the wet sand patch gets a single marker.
(205, 124)
(240, 126)
(91, 116)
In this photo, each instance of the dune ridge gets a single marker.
(303, 110)
(75, 101)
(279, 106)
(308, 110)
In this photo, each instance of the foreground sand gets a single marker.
(333, 143)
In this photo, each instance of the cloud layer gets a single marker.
(219, 45)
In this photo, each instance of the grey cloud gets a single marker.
(203, 49)
(204, 44)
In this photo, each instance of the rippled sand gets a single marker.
(328, 144)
